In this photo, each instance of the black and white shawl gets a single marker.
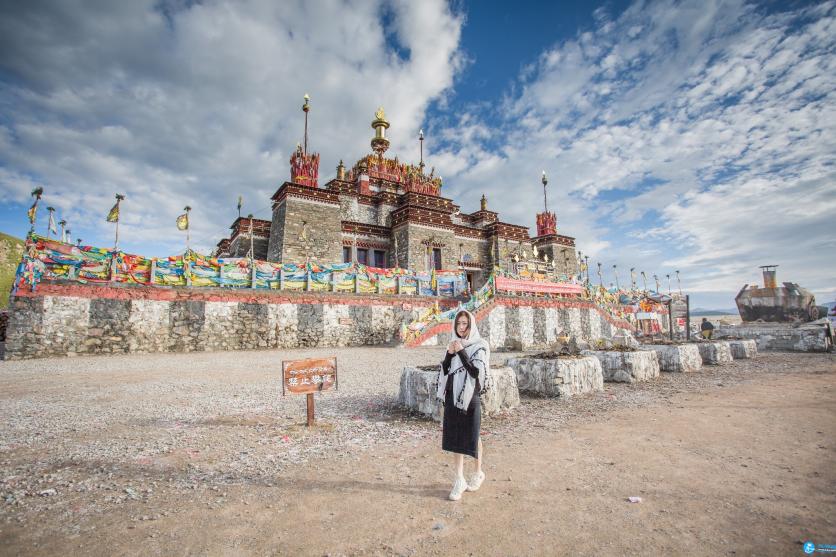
(479, 353)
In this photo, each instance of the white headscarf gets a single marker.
(479, 354)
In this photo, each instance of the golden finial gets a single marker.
(379, 142)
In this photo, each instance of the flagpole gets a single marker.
(33, 210)
(63, 224)
(49, 222)
(188, 227)
(252, 251)
(119, 198)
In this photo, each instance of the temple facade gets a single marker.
(385, 213)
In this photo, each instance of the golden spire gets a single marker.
(379, 124)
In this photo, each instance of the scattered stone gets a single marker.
(419, 391)
(743, 349)
(627, 366)
(561, 377)
(715, 353)
(678, 358)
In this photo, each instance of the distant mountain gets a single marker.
(11, 251)
(699, 312)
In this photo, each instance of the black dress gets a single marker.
(461, 429)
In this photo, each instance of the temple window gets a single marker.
(346, 254)
(437, 259)
(379, 258)
(363, 256)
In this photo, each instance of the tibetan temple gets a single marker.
(384, 213)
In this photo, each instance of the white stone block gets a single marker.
(627, 367)
(743, 349)
(715, 353)
(418, 392)
(681, 358)
(561, 377)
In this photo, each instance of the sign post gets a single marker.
(308, 377)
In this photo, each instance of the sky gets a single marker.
(697, 137)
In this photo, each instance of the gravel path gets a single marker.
(84, 434)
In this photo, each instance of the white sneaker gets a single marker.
(476, 481)
(459, 487)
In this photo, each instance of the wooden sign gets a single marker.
(308, 377)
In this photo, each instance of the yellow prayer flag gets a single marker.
(113, 215)
(183, 222)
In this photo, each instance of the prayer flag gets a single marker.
(32, 212)
(113, 215)
(183, 222)
(52, 227)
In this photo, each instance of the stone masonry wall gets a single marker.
(780, 336)
(274, 248)
(522, 324)
(323, 228)
(418, 251)
(61, 320)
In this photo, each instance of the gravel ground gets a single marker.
(81, 435)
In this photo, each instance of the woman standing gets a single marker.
(463, 377)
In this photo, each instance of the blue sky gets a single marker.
(691, 136)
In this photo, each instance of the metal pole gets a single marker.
(252, 250)
(617, 286)
(305, 108)
(545, 199)
(687, 317)
(678, 284)
(421, 142)
(49, 221)
(119, 198)
(670, 316)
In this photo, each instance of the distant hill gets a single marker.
(699, 312)
(11, 250)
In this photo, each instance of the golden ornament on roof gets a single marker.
(380, 114)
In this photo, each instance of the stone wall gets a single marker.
(62, 320)
(781, 336)
(677, 358)
(321, 224)
(400, 235)
(240, 246)
(743, 349)
(627, 367)
(532, 324)
(715, 353)
(417, 251)
(274, 248)
(558, 377)
(419, 389)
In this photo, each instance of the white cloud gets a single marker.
(196, 103)
(713, 122)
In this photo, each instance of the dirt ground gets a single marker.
(739, 463)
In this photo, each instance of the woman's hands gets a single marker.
(454, 346)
